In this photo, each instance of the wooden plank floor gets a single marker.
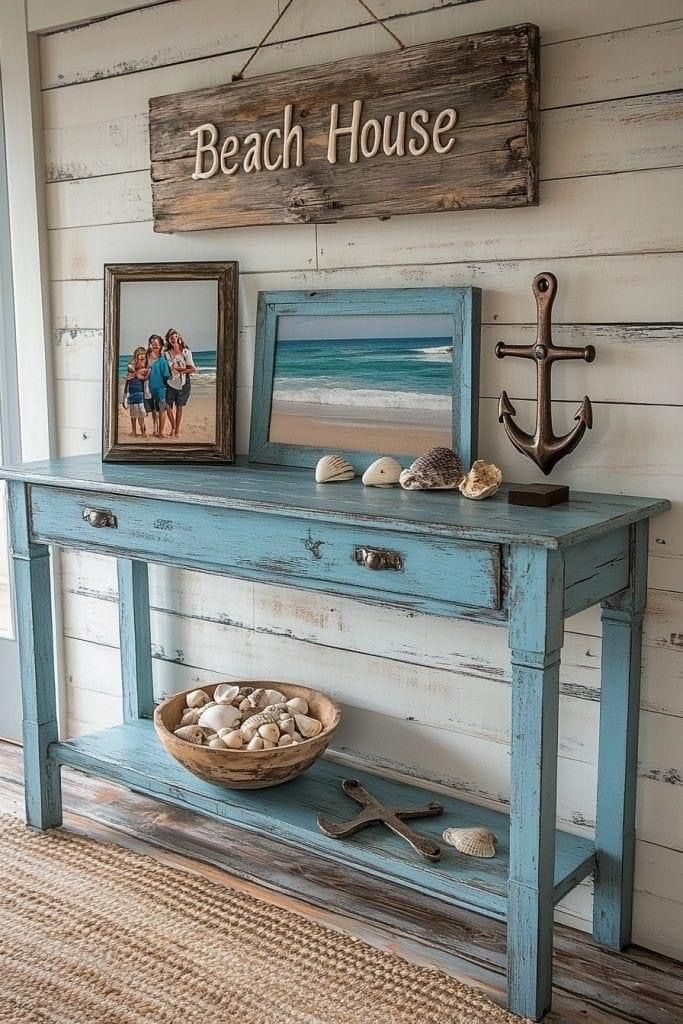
(592, 985)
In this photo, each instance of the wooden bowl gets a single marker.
(248, 769)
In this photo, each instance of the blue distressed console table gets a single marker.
(490, 561)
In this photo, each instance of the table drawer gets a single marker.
(408, 569)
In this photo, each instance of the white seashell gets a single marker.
(190, 733)
(382, 472)
(196, 698)
(297, 706)
(297, 737)
(255, 743)
(308, 727)
(333, 469)
(225, 693)
(261, 699)
(216, 743)
(269, 731)
(250, 727)
(475, 842)
(269, 745)
(232, 738)
(220, 716)
(482, 481)
(287, 725)
(439, 469)
(190, 716)
(285, 740)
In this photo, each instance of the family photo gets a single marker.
(167, 380)
(170, 355)
(359, 382)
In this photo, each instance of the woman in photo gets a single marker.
(178, 386)
(159, 373)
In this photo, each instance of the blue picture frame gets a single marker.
(463, 305)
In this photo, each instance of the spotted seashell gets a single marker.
(250, 727)
(482, 481)
(437, 469)
(190, 733)
(332, 469)
(382, 472)
(474, 842)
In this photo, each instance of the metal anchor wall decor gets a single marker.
(543, 446)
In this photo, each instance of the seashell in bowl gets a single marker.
(382, 472)
(297, 706)
(196, 698)
(190, 734)
(225, 693)
(482, 481)
(219, 716)
(474, 842)
(439, 469)
(333, 469)
(251, 724)
(307, 726)
(261, 699)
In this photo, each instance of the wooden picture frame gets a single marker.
(461, 307)
(217, 445)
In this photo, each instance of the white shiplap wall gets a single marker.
(422, 696)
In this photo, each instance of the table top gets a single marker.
(281, 490)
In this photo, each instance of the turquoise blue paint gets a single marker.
(481, 560)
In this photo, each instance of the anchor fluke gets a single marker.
(585, 412)
(505, 407)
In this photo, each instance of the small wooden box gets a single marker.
(538, 495)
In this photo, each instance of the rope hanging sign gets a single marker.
(443, 126)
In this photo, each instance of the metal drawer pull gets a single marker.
(378, 558)
(100, 517)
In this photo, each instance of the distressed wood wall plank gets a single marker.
(85, 54)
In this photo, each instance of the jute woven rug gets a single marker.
(94, 934)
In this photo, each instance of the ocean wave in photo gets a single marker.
(363, 398)
(350, 368)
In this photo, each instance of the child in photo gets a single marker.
(134, 391)
(159, 373)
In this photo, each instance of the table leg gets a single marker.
(135, 640)
(536, 636)
(42, 786)
(622, 623)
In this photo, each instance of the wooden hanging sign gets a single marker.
(443, 126)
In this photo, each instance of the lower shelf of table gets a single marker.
(132, 755)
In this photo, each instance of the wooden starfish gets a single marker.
(374, 811)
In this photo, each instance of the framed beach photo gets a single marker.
(365, 373)
(170, 337)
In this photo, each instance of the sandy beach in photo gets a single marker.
(198, 423)
(388, 431)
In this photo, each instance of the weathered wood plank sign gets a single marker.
(450, 125)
